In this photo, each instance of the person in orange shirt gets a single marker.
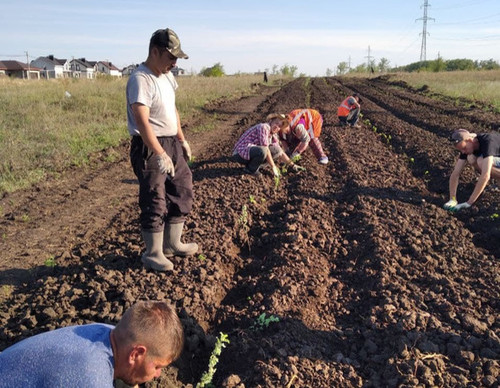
(348, 112)
(304, 130)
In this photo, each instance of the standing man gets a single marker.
(482, 151)
(348, 112)
(159, 153)
(148, 338)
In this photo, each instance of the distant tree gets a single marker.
(360, 69)
(275, 69)
(329, 72)
(288, 70)
(490, 64)
(450, 65)
(342, 68)
(438, 65)
(216, 70)
(383, 65)
(460, 64)
(371, 66)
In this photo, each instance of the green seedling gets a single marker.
(6, 290)
(252, 200)
(276, 182)
(191, 161)
(202, 257)
(284, 170)
(243, 219)
(494, 216)
(206, 378)
(25, 218)
(412, 160)
(263, 322)
(296, 158)
(263, 200)
(50, 262)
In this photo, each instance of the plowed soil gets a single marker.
(368, 281)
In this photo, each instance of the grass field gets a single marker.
(475, 85)
(46, 126)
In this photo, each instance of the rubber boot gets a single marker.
(172, 245)
(154, 258)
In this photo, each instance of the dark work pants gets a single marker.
(258, 156)
(351, 118)
(156, 188)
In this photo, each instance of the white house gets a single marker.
(108, 68)
(176, 71)
(81, 68)
(52, 67)
(126, 71)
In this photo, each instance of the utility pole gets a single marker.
(28, 63)
(423, 54)
(368, 60)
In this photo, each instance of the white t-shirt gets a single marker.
(158, 94)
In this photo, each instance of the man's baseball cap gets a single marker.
(169, 40)
(460, 135)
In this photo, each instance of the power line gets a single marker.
(369, 59)
(474, 21)
(423, 48)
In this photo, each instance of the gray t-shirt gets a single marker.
(74, 356)
(158, 94)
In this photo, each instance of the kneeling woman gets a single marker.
(259, 144)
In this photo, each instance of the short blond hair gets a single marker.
(153, 324)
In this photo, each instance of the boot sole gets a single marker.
(182, 254)
(158, 267)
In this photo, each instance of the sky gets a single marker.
(253, 36)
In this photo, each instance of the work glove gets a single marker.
(187, 150)
(460, 206)
(165, 164)
(298, 168)
(450, 204)
(276, 171)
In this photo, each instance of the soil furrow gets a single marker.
(363, 278)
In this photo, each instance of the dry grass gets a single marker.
(475, 85)
(43, 129)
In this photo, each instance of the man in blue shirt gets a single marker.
(148, 338)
